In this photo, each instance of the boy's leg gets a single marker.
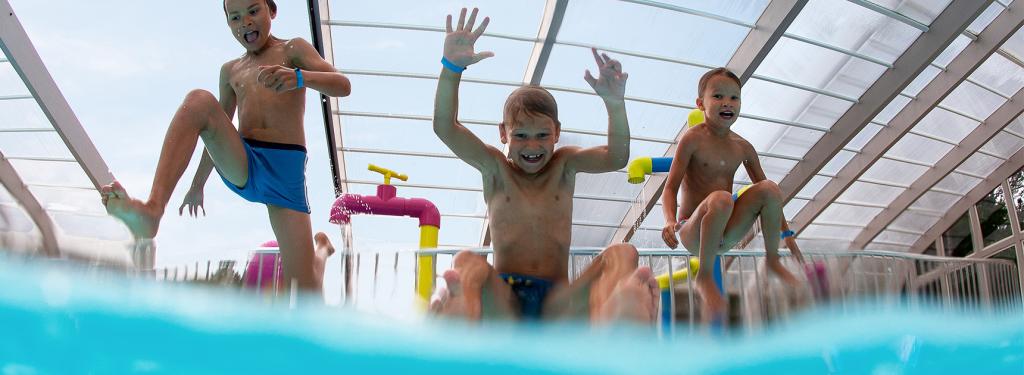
(611, 288)
(764, 200)
(292, 229)
(703, 233)
(200, 115)
(322, 249)
(474, 290)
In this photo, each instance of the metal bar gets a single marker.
(680, 9)
(28, 130)
(891, 14)
(838, 49)
(15, 97)
(39, 158)
(804, 88)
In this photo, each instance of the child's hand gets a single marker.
(668, 234)
(794, 249)
(278, 78)
(194, 201)
(458, 43)
(610, 83)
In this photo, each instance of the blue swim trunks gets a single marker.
(277, 175)
(530, 291)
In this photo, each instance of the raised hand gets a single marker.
(458, 43)
(194, 201)
(610, 83)
(278, 78)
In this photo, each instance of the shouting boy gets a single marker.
(529, 194)
(713, 219)
(264, 160)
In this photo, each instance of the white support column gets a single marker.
(755, 47)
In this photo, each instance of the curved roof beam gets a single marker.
(931, 96)
(994, 179)
(974, 141)
(9, 179)
(772, 24)
(956, 17)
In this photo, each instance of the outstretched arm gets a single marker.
(194, 197)
(317, 73)
(670, 195)
(458, 51)
(610, 85)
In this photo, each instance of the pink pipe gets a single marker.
(384, 203)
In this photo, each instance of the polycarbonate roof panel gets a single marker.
(874, 193)
(1000, 74)
(946, 125)
(852, 27)
(850, 214)
(914, 221)
(923, 11)
(661, 80)
(985, 18)
(1004, 144)
(895, 172)
(957, 182)
(980, 164)
(918, 148)
(897, 237)
(521, 18)
(936, 201)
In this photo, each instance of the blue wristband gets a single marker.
(298, 77)
(451, 66)
(786, 234)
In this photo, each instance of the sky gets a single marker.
(125, 66)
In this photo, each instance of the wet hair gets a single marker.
(270, 4)
(534, 100)
(703, 83)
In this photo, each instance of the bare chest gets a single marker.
(715, 161)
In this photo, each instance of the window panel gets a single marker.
(742, 10)
(979, 164)
(607, 185)
(405, 135)
(873, 193)
(51, 173)
(1000, 74)
(897, 237)
(985, 18)
(914, 221)
(813, 186)
(776, 138)
(1017, 187)
(917, 148)
(957, 239)
(26, 113)
(595, 211)
(973, 100)
(829, 231)
(993, 217)
(79, 201)
(923, 79)
(658, 80)
(936, 201)
(799, 105)
(894, 172)
(588, 236)
(377, 94)
(520, 18)
(945, 124)
(793, 207)
(864, 136)
(952, 51)
(957, 182)
(923, 11)
(1004, 145)
(588, 112)
(854, 27)
(808, 65)
(837, 162)
(89, 226)
(15, 219)
(10, 82)
(844, 213)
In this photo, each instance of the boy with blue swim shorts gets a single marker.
(529, 194)
(264, 159)
(714, 219)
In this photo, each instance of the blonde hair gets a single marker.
(534, 100)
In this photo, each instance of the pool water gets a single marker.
(60, 320)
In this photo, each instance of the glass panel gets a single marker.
(34, 144)
(660, 79)
(853, 27)
(1009, 253)
(742, 10)
(946, 125)
(918, 148)
(1014, 45)
(897, 237)
(843, 213)
(90, 226)
(456, 172)
(830, 231)
(864, 136)
(930, 250)
(22, 114)
(994, 217)
(1000, 74)
(800, 106)
(923, 11)
(813, 186)
(793, 207)
(587, 112)
(980, 164)
(80, 201)
(376, 94)
(894, 172)
(588, 236)
(599, 212)
(51, 173)
(14, 219)
(708, 41)
(936, 201)
(1004, 144)
(607, 185)
(957, 182)
(10, 82)
(1017, 186)
(874, 193)
(390, 50)
(775, 169)
(776, 138)
(959, 44)
(914, 221)
(919, 83)
(516, 17)
(405, 135)
(957, 239)
(985, 18)
(973, 100)
(808, 65)
(837, 163)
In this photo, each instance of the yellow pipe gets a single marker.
(638, 169)
(680, 275)
(425, 265)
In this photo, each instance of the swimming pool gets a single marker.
(57, 319)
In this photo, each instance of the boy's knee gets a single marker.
(770, 189)
(719, 201)
(199, 101)
(622, 253)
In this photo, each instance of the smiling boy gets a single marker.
(264, 159)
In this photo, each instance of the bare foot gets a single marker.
(452, 301)
(634, 299)
(714, 304)
(322, 249)
(141, 219)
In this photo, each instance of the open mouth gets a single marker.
(250, 37)
(727, 115)
(532, 158)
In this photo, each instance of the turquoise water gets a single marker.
(57, 320)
